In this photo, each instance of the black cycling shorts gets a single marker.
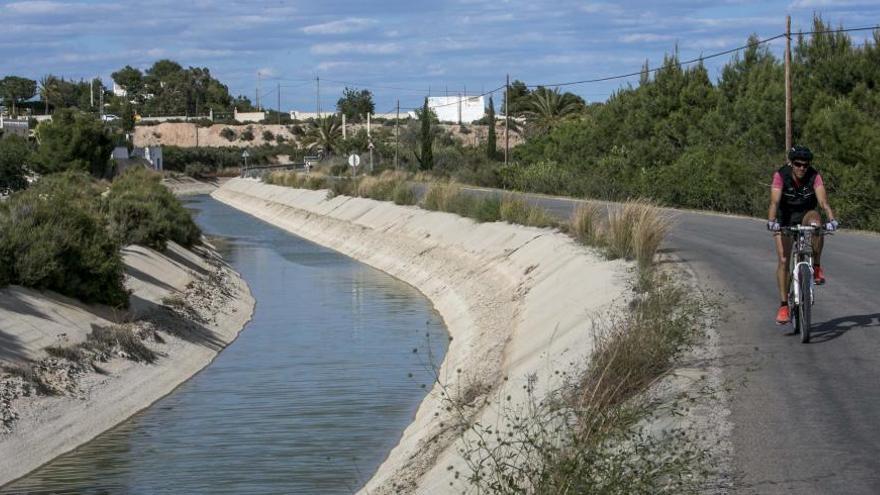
(791, 218)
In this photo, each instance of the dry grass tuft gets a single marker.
(441, 196)
(586, 224)
(636, 230)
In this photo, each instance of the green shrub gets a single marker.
(54, 236)
(268, 136)
(15, 153)
(142, 211)
(247, 135)
(197, 170)
(403, 194)
(228, 134)
(487, 209)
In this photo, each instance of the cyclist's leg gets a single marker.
(812, 217)
(783, 252)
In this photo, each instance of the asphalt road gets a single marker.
(805, 417)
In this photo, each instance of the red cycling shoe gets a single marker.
(818, 275)
(782, 316)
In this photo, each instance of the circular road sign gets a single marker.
(354, 160)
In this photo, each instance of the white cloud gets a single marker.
(645, 38)
(601, 8)
(267, 72)
(361, 48)
(349, 25)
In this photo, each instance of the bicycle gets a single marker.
(800, 282)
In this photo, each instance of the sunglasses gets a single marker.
(800, 164)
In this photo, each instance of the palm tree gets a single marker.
(323, 133)
(48, 90)
(546, 108)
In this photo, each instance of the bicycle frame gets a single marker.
(801, 254)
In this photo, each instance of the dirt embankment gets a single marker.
(518, 303)
(72, 371)
(188, 135)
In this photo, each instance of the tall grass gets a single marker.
(449, 197)
(635, 231)
(586, 224)
(587, 435)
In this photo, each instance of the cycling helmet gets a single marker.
(800, 153)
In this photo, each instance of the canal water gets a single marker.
(309, 399)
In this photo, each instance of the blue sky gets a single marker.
(397, 49)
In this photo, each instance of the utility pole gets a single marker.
(397, 135)
(279, 103)
(258, 90)
(318, 96)
(506, 118)
(787, 84)
(91, 93)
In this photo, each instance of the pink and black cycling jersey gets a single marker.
(798, 196)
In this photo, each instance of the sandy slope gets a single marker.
(30, 321)
(517, 301)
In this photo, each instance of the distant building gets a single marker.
(152, 154)
(147, 157)
(119, 90)
(458, 109)
(18, 127)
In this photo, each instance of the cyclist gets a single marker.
(796, 191)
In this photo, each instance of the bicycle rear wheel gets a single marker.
(805, 307)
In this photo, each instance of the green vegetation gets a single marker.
(73, 141)
(166, 88)
(15, 153)
(684, 141)
(426, 138)
(143, 211)
(491, 145)
(14, 89)
(54, 236)
(355, 104)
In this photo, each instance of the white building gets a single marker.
(458, 109)
(119, 90)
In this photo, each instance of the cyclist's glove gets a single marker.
(773, 225)
(832, 225)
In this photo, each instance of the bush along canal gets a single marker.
(310, 398)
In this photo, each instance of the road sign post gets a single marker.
(354, 160)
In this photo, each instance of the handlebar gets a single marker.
(795, 229)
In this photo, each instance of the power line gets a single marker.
(372, 86)
(842, 30)
(649, 71)
(703, 57)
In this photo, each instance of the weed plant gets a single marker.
(589, 434)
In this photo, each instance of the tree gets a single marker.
(518, 93)
(426, 138)
(73, 140)
(355, 104)
(49, 92)
(546, 108)
(491, 150)
(14, 156)
(132, 80)
(14, 89)
(323, 134)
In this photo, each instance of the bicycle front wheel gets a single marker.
(805, 281)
